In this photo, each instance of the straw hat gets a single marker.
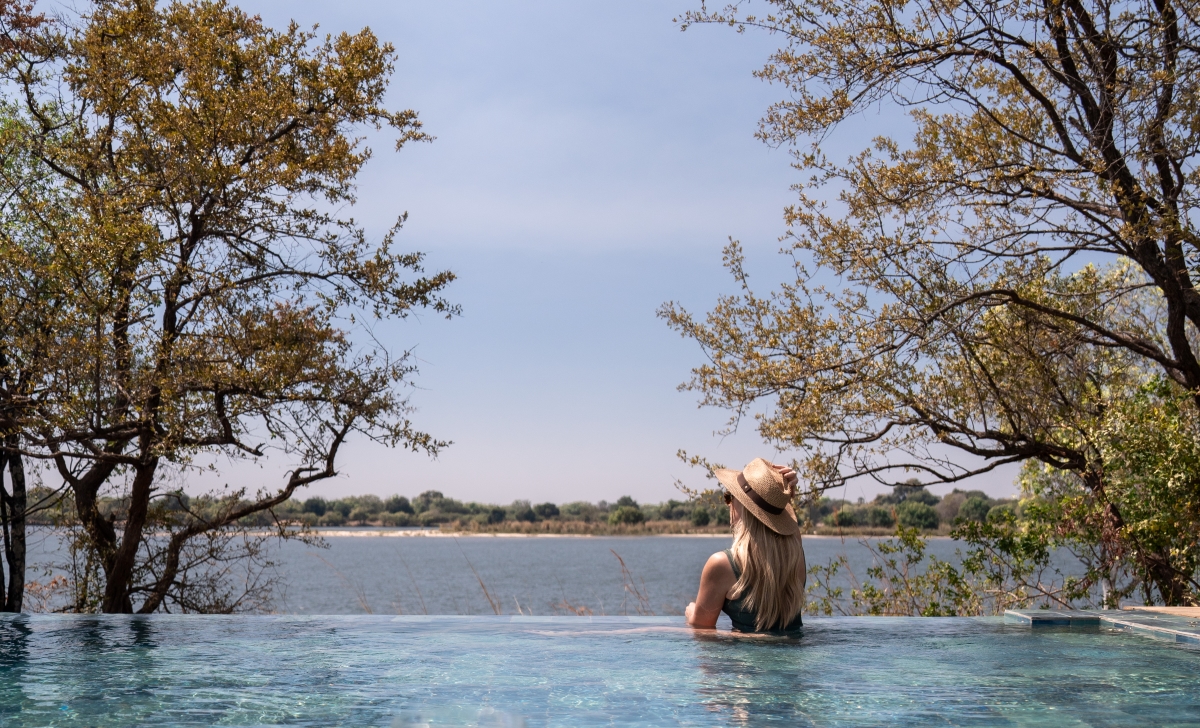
(761, 490)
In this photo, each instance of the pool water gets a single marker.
(578, 671)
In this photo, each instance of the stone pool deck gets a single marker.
(1172, 624)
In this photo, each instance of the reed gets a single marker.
(495, 603)
(631, 587)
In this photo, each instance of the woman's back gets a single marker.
(743, 617)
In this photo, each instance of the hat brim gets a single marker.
(782, 523)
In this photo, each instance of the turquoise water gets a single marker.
(571, 671)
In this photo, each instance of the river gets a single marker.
(543, 575)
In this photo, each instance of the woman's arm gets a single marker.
(715, 582)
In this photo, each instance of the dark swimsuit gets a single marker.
(744, 619)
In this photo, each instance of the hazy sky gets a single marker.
(591, 160)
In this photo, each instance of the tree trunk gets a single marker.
(116, 588)
(15, 544)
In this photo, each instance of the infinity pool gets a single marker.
(575, 671)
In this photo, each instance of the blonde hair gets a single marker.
(773, 575)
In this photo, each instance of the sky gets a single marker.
(590, 163)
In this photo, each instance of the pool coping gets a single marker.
(1169, 627)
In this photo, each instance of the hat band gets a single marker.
(758, 499)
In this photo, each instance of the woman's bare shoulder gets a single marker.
(718, 564)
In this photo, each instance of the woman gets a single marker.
(759, 581)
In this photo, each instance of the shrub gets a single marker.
(914, 514)
(948, 509)
(425, 501)
(396, 519)
(546, 510)
(522, 511)
(496, 515)
(699, 516)
(397, 504)
(332, 518)
(974, 509)
(433, 518)
(315, 506)
(360, 516)
(674, 510)
(626, 501)
(581, 510)
(880, 517)
(625, 514)
(847, 517)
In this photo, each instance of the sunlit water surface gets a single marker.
(539, 576)
(168, 670)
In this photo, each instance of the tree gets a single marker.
(19, 311)
(1025, 260)
(213, 294)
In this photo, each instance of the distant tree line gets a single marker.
(432, 508)
(910, 505)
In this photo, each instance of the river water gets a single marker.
(384, 573)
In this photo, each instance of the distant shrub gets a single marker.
(370, 503)
(546, 510)
(975, 509)
(700, 516)
(315, 506)
(914, 514)
(626, 501)
(910, 490)
(396, 519)
(880, 517)
(722, 516)
(496, 515)
(426, 500)
(360, 516)
(582, 511)
(522, 511)
(332, 518)
(674, 510)
(848, 517)
(625, 515)
(949, 506)
(397, 504)
(434, 517)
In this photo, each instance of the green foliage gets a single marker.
(625, 515)
(546, 510)
(1004, 567)
(316, 506)
(700, 516)
(398, 504)
(900, 582)
(626, 501)
(975, 509)
(523, 511)
(583, 511)
(915, 514)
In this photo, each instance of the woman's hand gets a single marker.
(790, 477)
